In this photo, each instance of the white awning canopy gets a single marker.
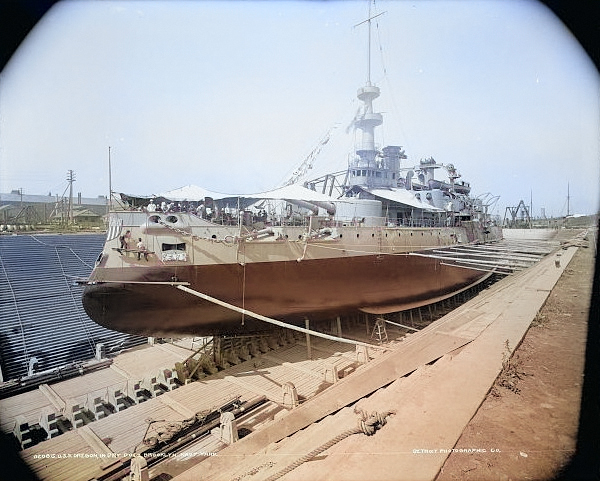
(192, 192)
(405, 197)
(289, 192)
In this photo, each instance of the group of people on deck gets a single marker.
(141, 248)
(192, 207)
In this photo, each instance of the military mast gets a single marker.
(366, 169)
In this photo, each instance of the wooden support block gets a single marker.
(331, 374)
(97, 405)
(75, 414)
(23, 432)
(289, 396)
(167, 379)
(48, 422)
(253, 348)
(228, 428)
(119, 400)
(362, 354)
(263, 345)
(244, 353)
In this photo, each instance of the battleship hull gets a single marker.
(293, 253)
(139, 299)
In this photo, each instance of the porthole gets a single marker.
(213, 236)
(154, 219)
(357, 236)
(172, 219)
(373, 235)
(341, 235)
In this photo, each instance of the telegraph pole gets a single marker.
(70, 180)
(109, 200)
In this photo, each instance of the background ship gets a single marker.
(360, 239)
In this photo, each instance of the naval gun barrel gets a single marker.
(314, 205)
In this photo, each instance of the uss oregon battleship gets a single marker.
(193, 262)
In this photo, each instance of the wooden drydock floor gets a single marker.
(132, 365)
(87, 452)
(452, 365)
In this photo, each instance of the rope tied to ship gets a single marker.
(367, 424)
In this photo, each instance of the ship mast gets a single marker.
(367, 170)
(369, 119)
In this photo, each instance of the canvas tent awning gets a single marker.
(289, 192)
(405, 197)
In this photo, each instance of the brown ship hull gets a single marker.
(289, 291)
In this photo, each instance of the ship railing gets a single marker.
(320, 221)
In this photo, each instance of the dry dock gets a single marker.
(426, 387)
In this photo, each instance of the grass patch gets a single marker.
(512, 372)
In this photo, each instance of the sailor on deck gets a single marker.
(142, 249)
(125, 239)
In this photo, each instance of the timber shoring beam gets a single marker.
(269, 320)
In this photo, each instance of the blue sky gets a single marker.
(232, 96)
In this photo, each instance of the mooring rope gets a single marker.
(367, 425)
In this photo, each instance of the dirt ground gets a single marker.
(528, 422)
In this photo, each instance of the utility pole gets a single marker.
(70, 180)
(531, 204)
(109, 200)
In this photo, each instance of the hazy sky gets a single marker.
(233, 96)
